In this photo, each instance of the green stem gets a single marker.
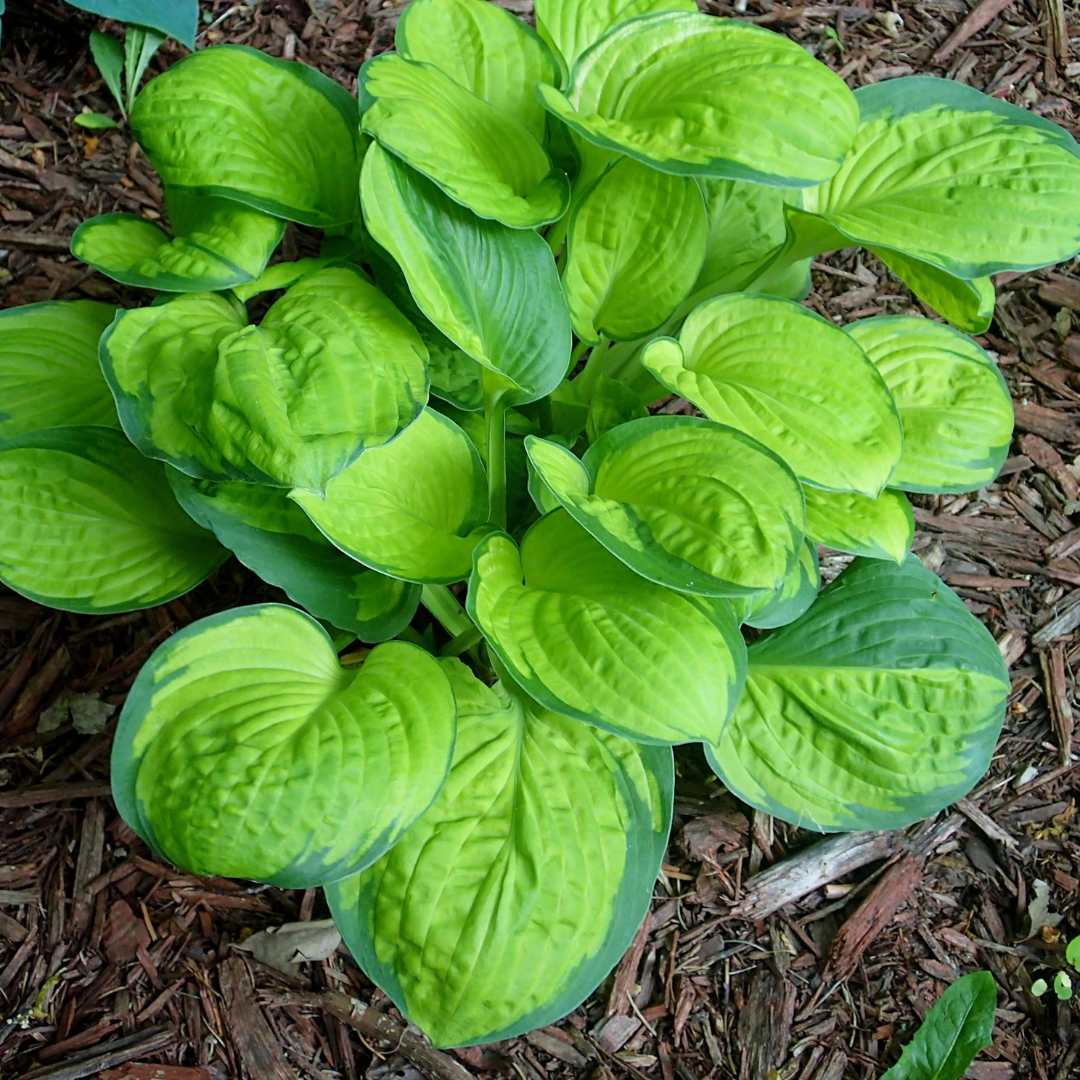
(556, 235)
(575, 357)
(443, 605)
(462, 643)
(495, 417)
(593, 366)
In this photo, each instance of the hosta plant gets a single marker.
(530, 237)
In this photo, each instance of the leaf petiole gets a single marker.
(443, 605)
(495, 418)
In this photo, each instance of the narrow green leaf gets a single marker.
(219, 244)
(635, 247)
(880, 528)
(792, 381)
(272, 134)
(88, 524)
(953, 403)
(108, 55)
(878, 707)
(691, 94)
(797, 592)
(49, 371)
(177, 18)
(93, 121)
(334, 369)
(272, 536)
(245, 749)
(954, 1031)
(505, 905)
(480, 156)
(589, 638)
(571, 26)
(413, 509)
(484, 48)
(492, 290)
(684, 502)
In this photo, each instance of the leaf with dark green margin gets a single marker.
(789, 379)
(947, 175)
(273, 537)
(684, 502)
(492, 290)
(968, 305)
(218, 244)
(413, 509)
(484, 48)
(589, 638)
(571, 26)
(955, 407)
(88, 524)
(275, 135)
(176, 18)
(611, 404)
(480, 156)
(635, 247)
(877, 708)
(795, 595)
(880, 528)
(954, 1031)
(514, 896)
(691, 94)
(245, 749)
(49, 371)
(333, 370)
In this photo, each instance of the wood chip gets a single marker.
(765, 1025)
(1048, 459)
(1057, 696)
(981, 15)
(1051, 424)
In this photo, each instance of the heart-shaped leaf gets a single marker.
(964, 182)
(272, 536)
(333, 369)
(684, 502)
(245, 749)
(589, 638)
(954, 405)
(275, 135)
(691, 94)
(512, 898)
(484, 48)
(88, 524)
(877, 708)
(789, 379)
(880, 528)
(218, 244)
(571, 26)
(480, 156)
(413, 509)
(635, 248)
(492, 290)
(177, 18)
(797, 592)
(49, 370)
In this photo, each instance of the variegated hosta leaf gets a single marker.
(964, 182)
(245, 749)
(691, 94)
(588, 637)
(492, 290)
(49, 370)
(635, 248)
(792, 381)
(218, 244)
(480, 156)
(611, 403)
(484, 48)
(272, 536)
(684, 502)
(333, 369)
(512, 898)
(455, 376)
(88, 524)
(797, 592)
(968, 305)
(954, 404)
(571, 26)
(877, 708)
(880, 528)
(413, 509)
(275, 135)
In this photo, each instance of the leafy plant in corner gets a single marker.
(530, 238)
(1063, 984)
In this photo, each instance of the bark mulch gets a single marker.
(769, 951)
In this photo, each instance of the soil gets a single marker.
(758, 959)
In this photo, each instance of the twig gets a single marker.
(106, 1055)
(988, 825)
(44, 241)
(981, 15)
(50, 793)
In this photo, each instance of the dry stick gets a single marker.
(983, 820)
(106, 1055)
(43, 241)
(50, 793)
(981, 15)
(1057, 697)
